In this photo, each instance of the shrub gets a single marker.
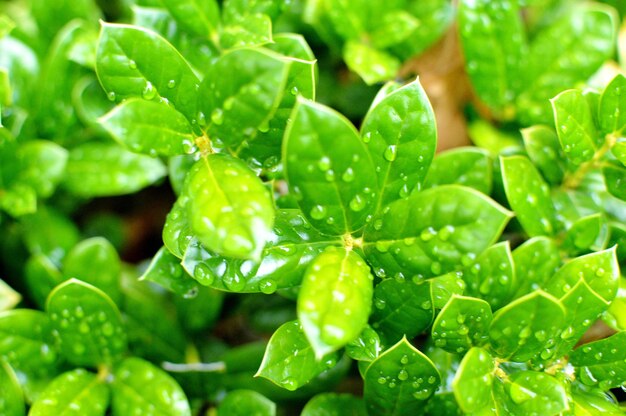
(312, 261)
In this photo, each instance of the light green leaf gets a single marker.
(575, 126)
(529, 195)
(289, 359)
(494, 46)
(615, 180)
(13, 399)
(134, 62)
(140, 388)
(463, 323)
(176, 230)
(533, 392)
(9, 298)
(473, 380)
(544, 150)
(124, 172)
(76, 392)
(535, 262)
(246, 402)
(230, 211)
(88, 326)
(42, 165)
(611, 109)
(334, 404)
(335, 299)
(373, 65)
(394, 27)
(520, 330)
(366, 347)
(328, 169)
(150, 127)
(201, 17)
(166, 271)
(431, 232)
(399, 381)
(248, 30)
(400, 134)
(18, 200)
(467, 166)
(590, 233)
(601, 363)
(240, 95)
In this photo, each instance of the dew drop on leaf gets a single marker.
(217, 116)
(149, 92)
(390, 153)
(318, 212)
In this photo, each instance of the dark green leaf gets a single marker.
(401, 308)
(473, 380)
(335, 299)
(492, 277)
(292, 245)
(494, 47)
(141, 388)
(467, 166)
(49, 232)
(246, 402)
(96, 262)
(520, 329)
(135, 62)
(289, 359)
(76, 392)
(12, 402)
(125, 172)
(199, 312)
(574, 126)
(462, 324)
(333, 404)
(230, 210)
(149, 127)
(615, 179)
(529, 195)
(165, 270)
(328, 169)
(399, 381)
(535, 262)
(611, 109)
(432, 232)
(545, 151)
(87, 324)
(400, 134)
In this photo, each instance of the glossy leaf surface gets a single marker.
(533, 392)
(535, 262)
(602, 362)
(611, 109)
(333, 404)
(462, 324)
(246, 402)
(467, 166)
(165, 270)
(473, 380)
(545, 151)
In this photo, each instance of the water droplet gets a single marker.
(404, 360)
(267, 286)
(171, 83)
(294, 91)
(403, 375)
(201, 119)
(390, 153)
(382, 380)
(357, 203)
(132, 64)
(427, 234)
(379, 303)
(348, 175)
(426, 305)
(149, 92)
(111, 96)
(378, 224)
(421, 394)
(217, 116)
(404, 191)
(324, 163)
(435, 268)
(367, 137)
(445, 232)
(107, 329)
(289, 383)
(318, 212)
(203, 274)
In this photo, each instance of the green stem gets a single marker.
(573, 180)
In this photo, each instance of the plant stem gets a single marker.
(573, 180)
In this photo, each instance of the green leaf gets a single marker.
(599, 270)
(431, 232)
(289, 359)
(492, 277)
(615, 179)
(619, 151)
(394, 27)
(566, 52)
(601, 363)
(400, 134)
(149, 127)
(9, 298)
(240, 95)
(87, 324)
(246, 31)
(473, 380)
(76, 392)
(96, 262)
(246, 402)
(399, 381)
(27, 343)
(199, 17)
(401, 308)
(611, 109)
(140, 388)
(13, 399)
(292, 245)
(575, 126)
(230, 211)
(125, 172)
(536, 393)
(443, 287)
(519, 330)
(49, 232)
(328, 169)
(334, 404)
(166, 271)
(545, 151)
(494, 46)
(463, 323)
(335, 299)
(590, 233)
(176, 230)
(529, 195)
(535, 262)
(42, 165)
(467, 166)
(366, 347)
(198, 312)
(371, 64)
(18, 200)
(135, 62)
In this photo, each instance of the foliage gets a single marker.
(306, 252)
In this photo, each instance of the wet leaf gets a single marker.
(242, 402)
(473, 380)
(333, 404)
(467, 166)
